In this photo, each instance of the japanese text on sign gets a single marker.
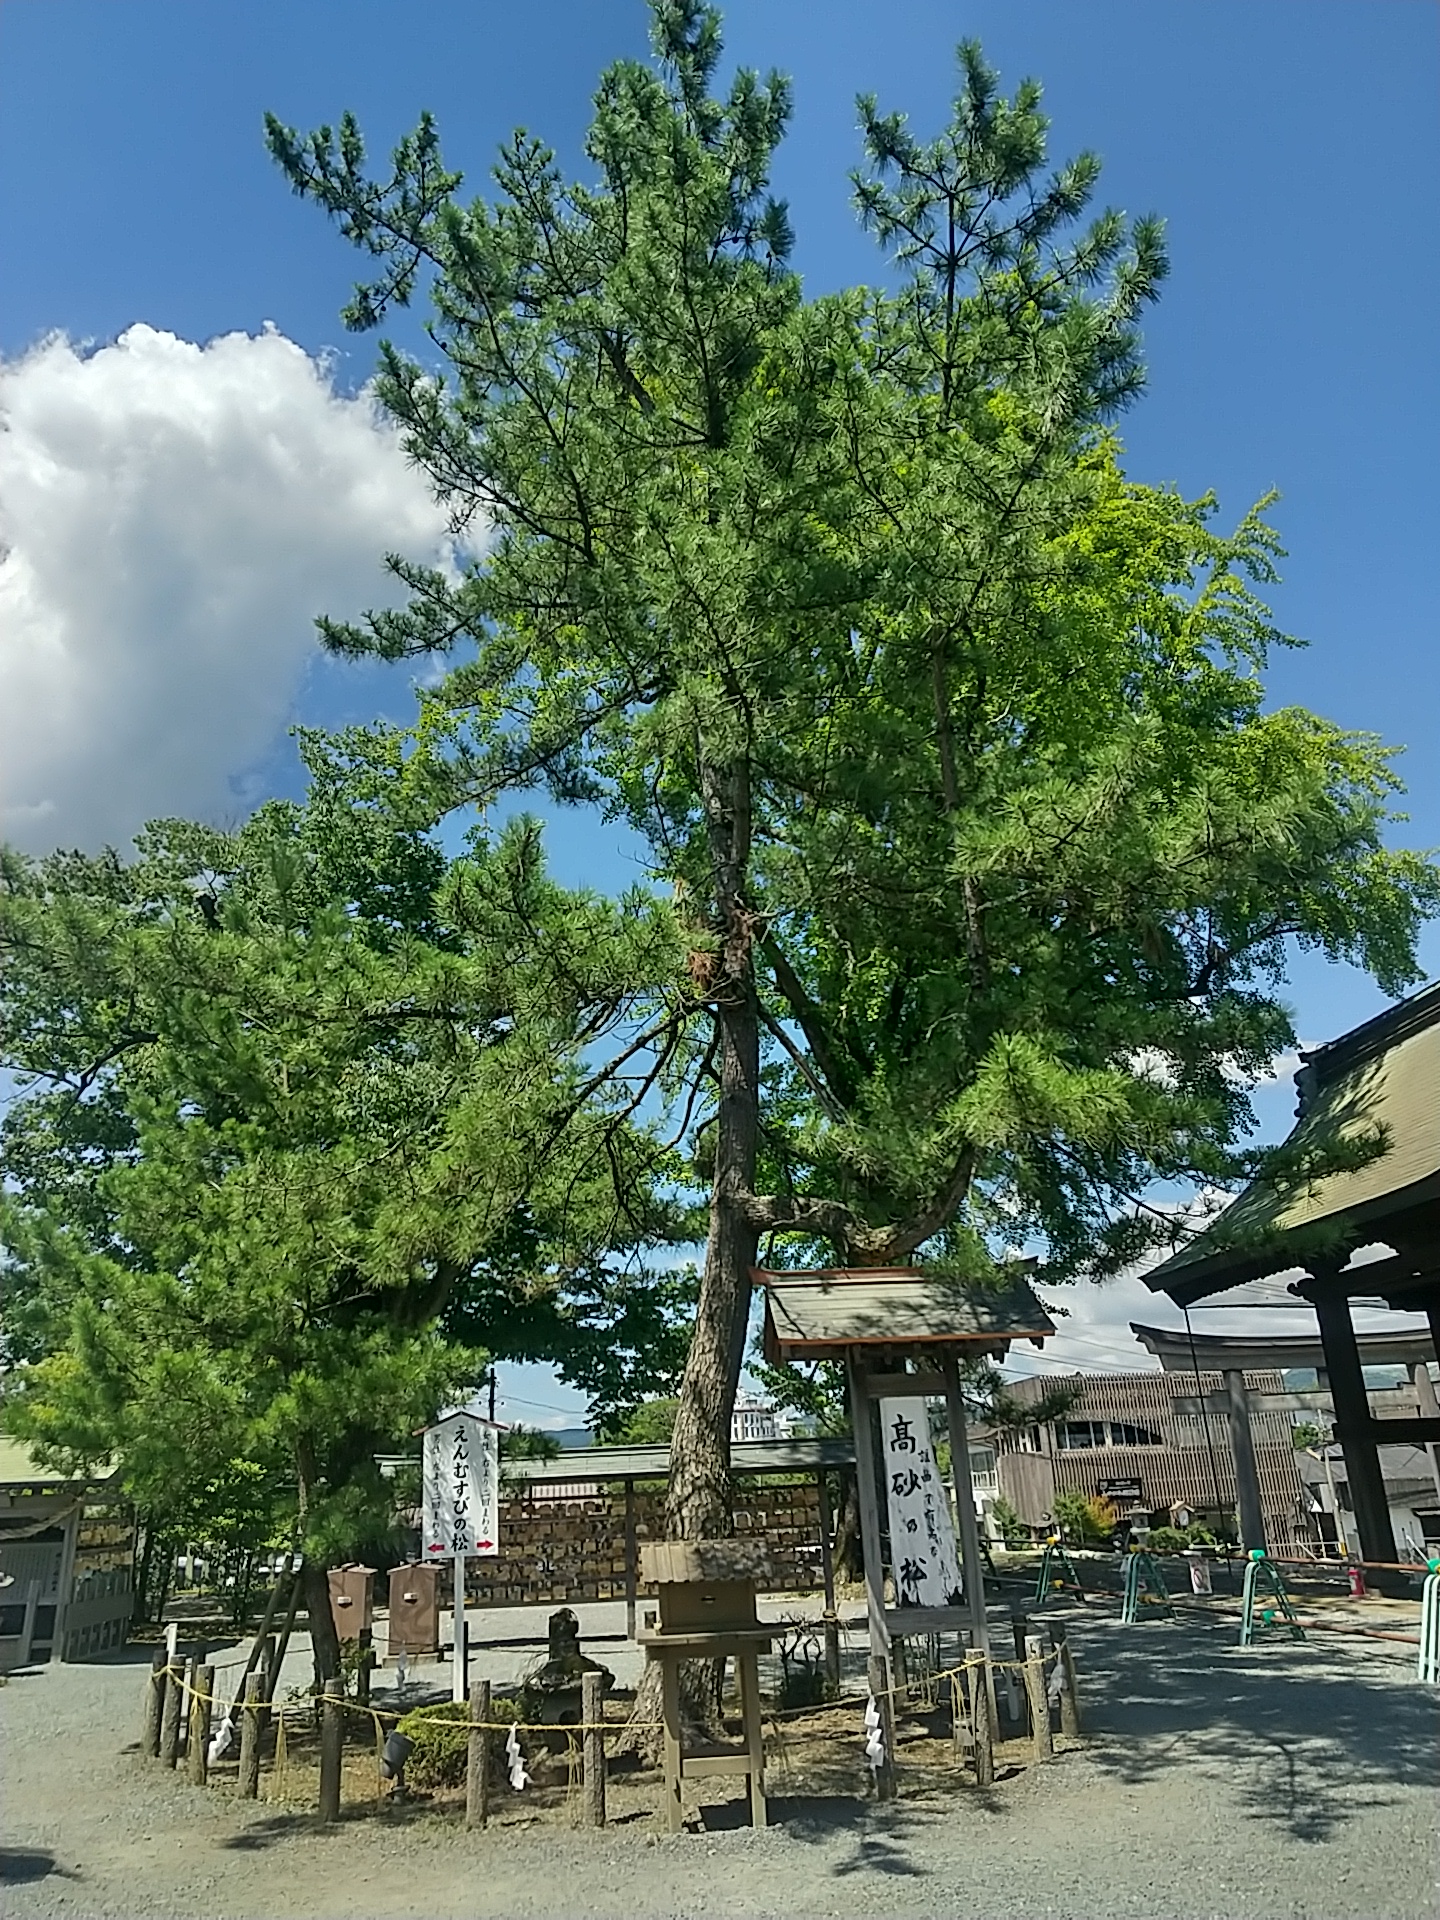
(461, 1477)
(922, 1537)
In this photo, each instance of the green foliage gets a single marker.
(442, 1741)
(1176, 1539)
(950, 741)
(651, 1424)
(348, 1150)
(1305, 1436)
(528, 1443)
(1013, 1530)
(982, 852)
(1086, 1518)
(1169, 1540)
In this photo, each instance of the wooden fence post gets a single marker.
(827, 1573)
(197, 1741)
(592, 1712)
(332, 1749)
(154, 1703)
(982, 1725)
(879, 1678)
(192, 1684)
(477, 1760)
(170, 1715)
(1069, 1697)
(1039, 1699)
(1014, 1675)
(250, 1736)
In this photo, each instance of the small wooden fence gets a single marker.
(958, 1710)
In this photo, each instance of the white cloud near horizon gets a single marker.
(1093, 1335)
(172, 519)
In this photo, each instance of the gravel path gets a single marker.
(1286, 1781)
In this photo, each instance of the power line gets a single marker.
(542, 1406)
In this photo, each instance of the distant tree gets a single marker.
(651, 1424)
(1013, 1530)
(1085, 1518)
(529, 1443)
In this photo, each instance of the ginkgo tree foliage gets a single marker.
(306, 1133)
(948, 741)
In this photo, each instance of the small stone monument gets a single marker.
(555, 1688)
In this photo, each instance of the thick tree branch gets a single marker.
(854, 1238)
(838, 1076)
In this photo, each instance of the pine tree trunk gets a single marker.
(142, 1582)
(324, 1640)
(315, 1579)
(697, 1505)
(849, 1552)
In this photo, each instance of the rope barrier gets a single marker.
(379, 1715)
(459, 1719)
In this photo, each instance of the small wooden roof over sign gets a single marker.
(1385, 1074)
(817, 1314)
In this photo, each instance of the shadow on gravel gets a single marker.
(20, 1865)
(1302, 1734)
(265, 1833)
(277, 1827)
(876, 1853)
(879, 1839)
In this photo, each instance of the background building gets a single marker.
(1144, 1428)
(66, 1564)
(1154, 1429)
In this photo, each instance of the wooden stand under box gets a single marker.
(706, 1594)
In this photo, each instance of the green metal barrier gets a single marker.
(1266, 1605)
(1144, 1587)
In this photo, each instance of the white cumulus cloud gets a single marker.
(172, 519)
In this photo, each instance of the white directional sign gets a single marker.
(922, 1538)
(461, 1479)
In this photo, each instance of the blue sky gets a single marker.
(1293, 150)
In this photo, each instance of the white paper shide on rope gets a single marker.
(461, 1488)
(922, 1535)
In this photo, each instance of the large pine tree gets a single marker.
(949, 742)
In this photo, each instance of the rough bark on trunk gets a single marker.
(698, 1500)
(697, 1505)
(849, 1553)
(315, 1580)
(324, 1641)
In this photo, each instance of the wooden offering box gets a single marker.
(706, 1600)
(704, 1586)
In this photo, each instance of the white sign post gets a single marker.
(922, 1537)
(461, 1509)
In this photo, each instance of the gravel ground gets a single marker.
(1283, 1781)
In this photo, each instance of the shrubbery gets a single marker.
(1176, 1539)
(441, 1734)
(1013, 1530)
(1085, 1518)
